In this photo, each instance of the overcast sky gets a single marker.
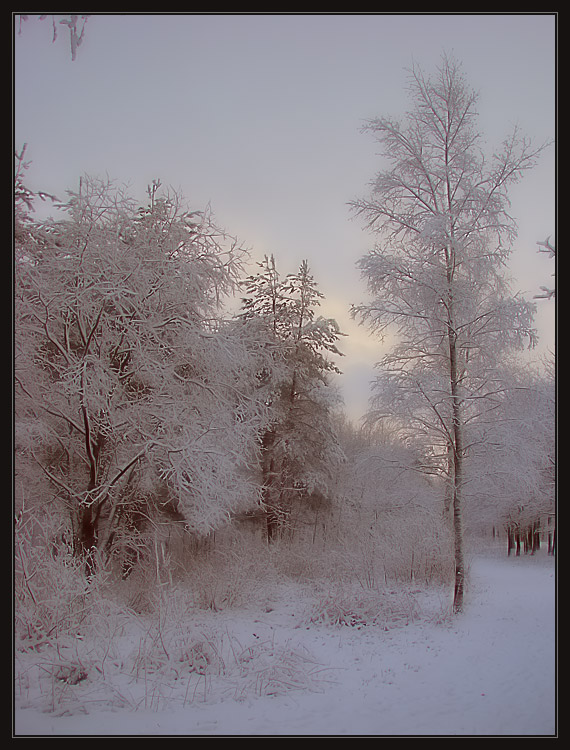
(260, 116)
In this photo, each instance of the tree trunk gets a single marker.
(536, 537)
(269, 485)
(510, 539)
(551, 536)
(272, 525)
(87, 535)
(553, 545)
(459, 589)
(457, 460)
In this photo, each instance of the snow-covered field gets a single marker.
(284, 670)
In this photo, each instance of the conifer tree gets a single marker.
(299, 448)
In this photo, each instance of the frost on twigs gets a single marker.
(440, 214)
(75, 24)
(549, 248)
(299, 447)
(137, 402)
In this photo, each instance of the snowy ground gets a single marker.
(283, 670)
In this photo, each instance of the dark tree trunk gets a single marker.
(553, 545)
(269, 484)
(87, 535)
(457, 457)
(551, 535)
(534, 538)
(510, 540)
(272, 525)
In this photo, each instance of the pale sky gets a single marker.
(260, 116)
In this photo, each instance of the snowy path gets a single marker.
(489, 672)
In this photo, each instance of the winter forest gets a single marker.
(185, 469)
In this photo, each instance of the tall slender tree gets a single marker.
(439, 210)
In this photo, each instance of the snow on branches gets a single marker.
(440, 213)
(299, 448)
(134, 396)
(548, 248)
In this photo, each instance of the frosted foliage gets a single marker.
(300, 451)
(512, 454)
(439, 212)
(129, 384)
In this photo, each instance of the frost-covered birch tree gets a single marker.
(299, 448)
(134, 398)
(439, 210)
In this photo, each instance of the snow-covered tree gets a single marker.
(439, 210)
(299, 449)
(134, 398)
